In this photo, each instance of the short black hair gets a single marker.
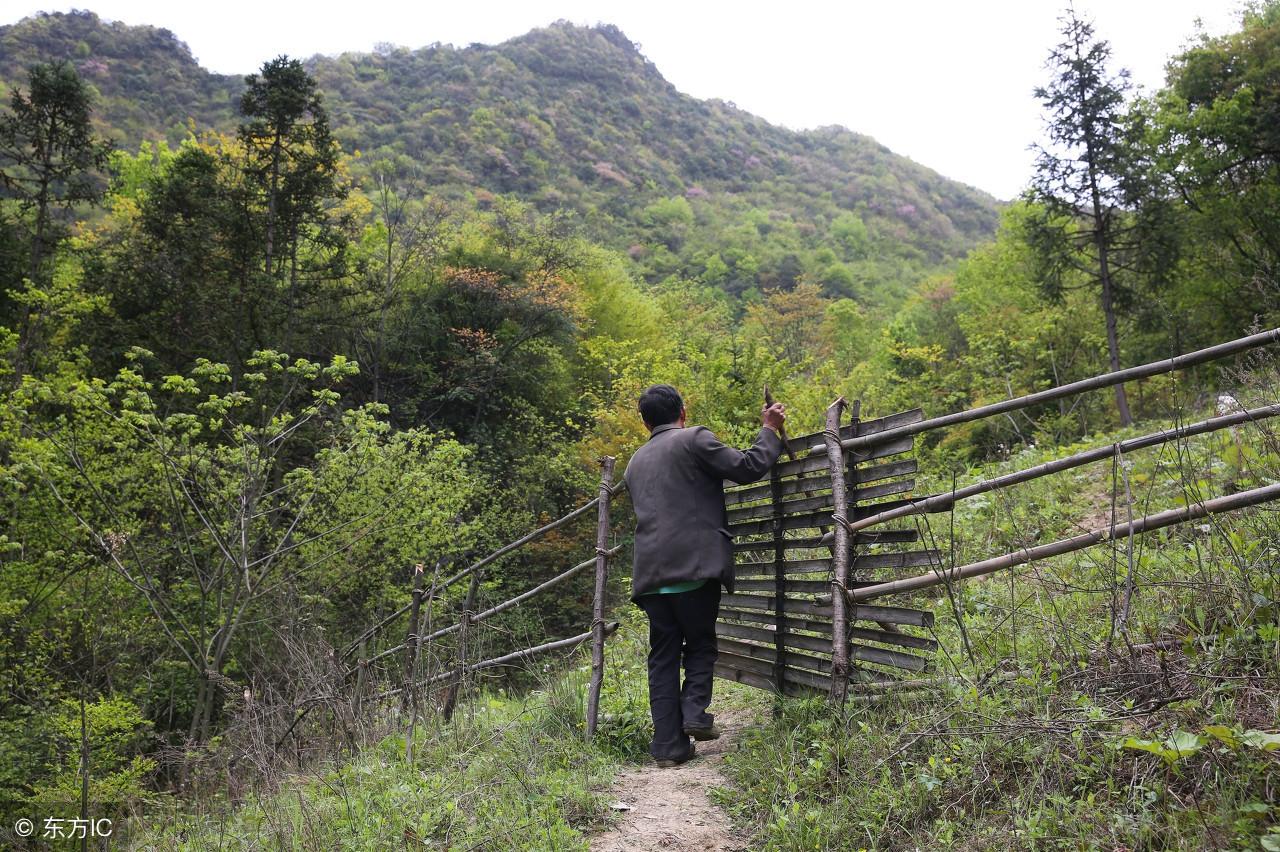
(660, 405)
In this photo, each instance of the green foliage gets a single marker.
(1215, 122)
(117, 737)
(50, 159)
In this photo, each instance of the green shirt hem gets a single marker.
(676, 588)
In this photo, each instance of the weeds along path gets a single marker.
(671, 809)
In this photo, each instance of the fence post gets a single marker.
(361, 664)
(451, 699)
(597, 610)
(411, 637)
(839, 555)
(779, 584)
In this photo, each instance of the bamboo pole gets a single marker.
(942, 502)
(522, 597)
(1155, 368)
(597, 608)
(360, 669)
(1067, 545)
(451, 697)
(779, 579)
(521, 542)
(410, 695)
(369, 634)
(410, 646)
(839, 555)
(513, 657)
(488, 613)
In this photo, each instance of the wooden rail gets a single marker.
(1155, 368)
(943, 501)
(1146, 524)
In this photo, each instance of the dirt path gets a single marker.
(670, 810)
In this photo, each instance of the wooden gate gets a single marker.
(783, 541)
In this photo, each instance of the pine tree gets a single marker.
(49, 153)
(293, 164)
(1082, 179)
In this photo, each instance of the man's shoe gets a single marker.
(711, 732)
(667, 763)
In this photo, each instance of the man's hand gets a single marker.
(773, 416)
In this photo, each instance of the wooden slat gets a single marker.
(764, 668)
(807, 678)
(753, 610)
(879, 536)
(818, 461)
(790, 566)
(905, 559)
(805, 587)
(884, 489)
(861, 475)
(892, 615)
(821, 502)
(727, 672)
(892, 421)
(767, 654)
(801, 443)
(812, 520)
(886, 657)
(767, 618)
(892, 447)
(787, 487)
(821, 643)
(904, 640)
(766, 602)
(744, 662)
(818, 483)
(822, 629)
(878, 656)
(767, 510)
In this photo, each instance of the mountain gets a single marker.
(576, 118)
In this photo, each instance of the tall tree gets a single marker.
(1081, 180)
(49, 162)
(293, 160)
(48, 151)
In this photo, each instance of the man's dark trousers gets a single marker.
(682, 629)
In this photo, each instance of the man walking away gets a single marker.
(683, 554)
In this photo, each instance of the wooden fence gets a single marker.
(815, 544)
(420, 633)
(825, 538)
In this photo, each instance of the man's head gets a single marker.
(660, 405)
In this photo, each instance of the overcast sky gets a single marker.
(945, 82)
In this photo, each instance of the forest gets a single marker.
(270, 342)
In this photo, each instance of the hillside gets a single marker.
(572, 118)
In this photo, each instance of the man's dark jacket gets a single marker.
(676, 482)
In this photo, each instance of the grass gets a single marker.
(509, 772)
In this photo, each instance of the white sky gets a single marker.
(945, 82)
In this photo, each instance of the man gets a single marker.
(683, 554)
